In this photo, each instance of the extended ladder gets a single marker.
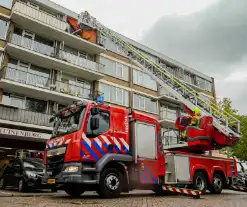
(223, 121)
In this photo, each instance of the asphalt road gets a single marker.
(134, 199)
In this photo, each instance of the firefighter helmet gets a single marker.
(197, 111)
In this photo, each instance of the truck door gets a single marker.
(96, 143)
(146, 152)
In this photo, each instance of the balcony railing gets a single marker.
(71, 88)
(168, 114)
(50, 51)
(164, 92)
(24, 116)
(38, 15)
(79, 61)
(33, 45)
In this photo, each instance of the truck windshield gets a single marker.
(68, 121)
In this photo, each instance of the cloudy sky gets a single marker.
(210, 36)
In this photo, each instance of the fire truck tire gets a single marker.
(110, 184)
(74, 190)
(2, 183)
(217, 186)
(200, 182)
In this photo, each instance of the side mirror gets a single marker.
(94, 123)
(94, 111)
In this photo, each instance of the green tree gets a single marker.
(240, 150)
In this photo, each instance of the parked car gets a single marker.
(242, 174)
(25, 174)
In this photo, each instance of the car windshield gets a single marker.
(33, 164)
(68, 121)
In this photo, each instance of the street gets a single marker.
(135, 199)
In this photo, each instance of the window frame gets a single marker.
(7, 28)
(88, 122)
(117, 66)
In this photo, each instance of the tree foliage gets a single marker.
(240, 150)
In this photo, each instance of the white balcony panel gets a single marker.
(52, 63)
(168, 118)
(49, 26)
(37, 92)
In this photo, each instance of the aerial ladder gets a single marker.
(226, 124)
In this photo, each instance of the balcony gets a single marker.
(47, 25)
(19, 117)
(167, 96)
(46, 56)
(167, 117)
(17, 80)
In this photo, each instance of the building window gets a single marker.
(144, 103)
(24, 72)
(188, 78)
(1, 59)
(35, 105)
(3, 29)
(6, 3)
(143, 79)
(73, 85)
(13, 100)
(26, 103)
(114, 94)
(115, 69)
(170, 136)
(203, 84)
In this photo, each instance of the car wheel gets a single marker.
(74, 190)
(111, 183)
(200, 182)
(218, 183)
(22, 185)
(2, 183)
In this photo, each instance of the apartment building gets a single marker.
(47, 63)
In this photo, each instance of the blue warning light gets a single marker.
(100, 99)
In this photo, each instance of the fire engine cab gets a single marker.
(108, 149)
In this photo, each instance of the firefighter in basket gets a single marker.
(194, 120)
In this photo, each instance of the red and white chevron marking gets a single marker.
(101, 139)
(57, 142)
(238, 188)
(182, 190)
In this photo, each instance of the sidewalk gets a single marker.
(14, 193)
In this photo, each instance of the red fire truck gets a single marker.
(112, 150)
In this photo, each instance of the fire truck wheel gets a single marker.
(200, 182)
(74, 190)
(217, 185)
(111, 183)
(2, 183)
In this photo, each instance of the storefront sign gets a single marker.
(21, 133)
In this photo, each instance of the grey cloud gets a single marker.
(210, 40)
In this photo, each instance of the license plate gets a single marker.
(51, 181)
